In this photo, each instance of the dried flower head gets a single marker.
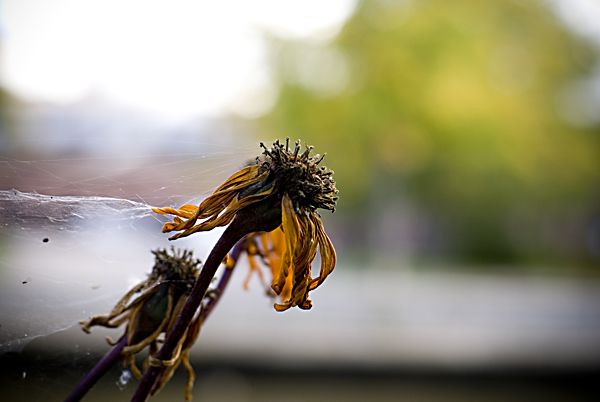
(299, 186)
(156, 303)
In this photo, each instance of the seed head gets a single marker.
(308, 185)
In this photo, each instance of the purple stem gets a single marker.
(224, 280)
(92, 377)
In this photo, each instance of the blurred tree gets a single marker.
(459, 108)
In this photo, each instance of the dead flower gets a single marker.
(300, 186)
(154, 312)
(264, 249)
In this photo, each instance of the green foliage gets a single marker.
(457, 106)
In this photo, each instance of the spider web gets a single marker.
(77, 232)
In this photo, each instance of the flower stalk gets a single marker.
(98, 371)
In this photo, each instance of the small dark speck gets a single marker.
(24, 282)
(45, 240)
(95, 287)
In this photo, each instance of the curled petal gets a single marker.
(291, 228)
(219, 208)
(301, 247)
(328, 256)
(303, 258)
(226, 216)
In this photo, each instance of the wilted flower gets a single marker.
(266, 249)
(157, 304)
(299, 186)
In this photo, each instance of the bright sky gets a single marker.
(176, 58)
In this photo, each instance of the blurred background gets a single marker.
(465, 139)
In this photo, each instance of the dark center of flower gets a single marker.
(178, 267)
(299, 175)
